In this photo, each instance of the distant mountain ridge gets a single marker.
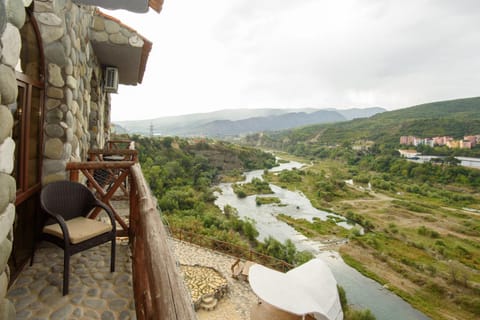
(455, 118)
(234, 122)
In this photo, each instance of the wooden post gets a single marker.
(74, 175)
(166, 292)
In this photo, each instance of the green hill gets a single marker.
(461, 109)
(454, 117)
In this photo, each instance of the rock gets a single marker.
(69, 67)
(73, 56)
(8, 85)
(51, 33)
(108, 315)
(54, 131)
(111, 26)
(53, 166)
(136, 41)
(7, 309)
(127, 33)
(11, 44)
(75, 145)
(67, 150)
(55, 75)
(210, 305)
(53, 177)
(5, 250)
(48, 291)
(15, 12)
(94, 303)
(98, 23)
(69, 119)
(55, 53)
(58, 5)
(49, 19)
(7, 154)
(54, 115)
(62, 313)
(77, 44)
(56, 93)
(41, 6)
(54, 148)
(3, 17)
(6, 221)
(100, 36)
(71, 82)
(52, 103)
(118, 38)
(67, 43)
(6, 124)
(3, 284)
(7, 192)
(69, 135)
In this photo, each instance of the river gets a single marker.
(464, 161)
(361, 291)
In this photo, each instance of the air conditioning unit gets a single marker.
(111, 80)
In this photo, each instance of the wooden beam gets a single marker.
(168, 294)
(92, 165)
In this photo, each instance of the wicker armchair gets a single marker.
(67, 205)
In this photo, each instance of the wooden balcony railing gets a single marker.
(120, 144)
(159, 290)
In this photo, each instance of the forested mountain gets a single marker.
(242, 121)
(454, 117)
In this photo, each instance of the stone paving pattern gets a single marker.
(204, 283)
(95, 292)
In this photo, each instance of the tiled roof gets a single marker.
(139, 6)
(147, 45)
(156, 5)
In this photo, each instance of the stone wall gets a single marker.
(72, 92)
(12, 17)
(76, 109)
(75, 103)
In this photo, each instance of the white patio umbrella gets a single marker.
(307, 289)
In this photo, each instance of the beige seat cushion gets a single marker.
(80, 229)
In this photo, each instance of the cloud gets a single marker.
(218, 54)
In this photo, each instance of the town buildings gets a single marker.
(467, 142)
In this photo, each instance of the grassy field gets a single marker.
(423, 245)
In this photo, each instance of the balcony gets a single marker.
(147, 283)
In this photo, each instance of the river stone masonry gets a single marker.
(12, 17)
(70, 66)
(77, 110)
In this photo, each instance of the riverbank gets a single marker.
(295, 205)
(418, 247)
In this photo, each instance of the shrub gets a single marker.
(241, 194)
(359, 315)
(343, 297)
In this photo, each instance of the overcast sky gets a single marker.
(219, 54)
